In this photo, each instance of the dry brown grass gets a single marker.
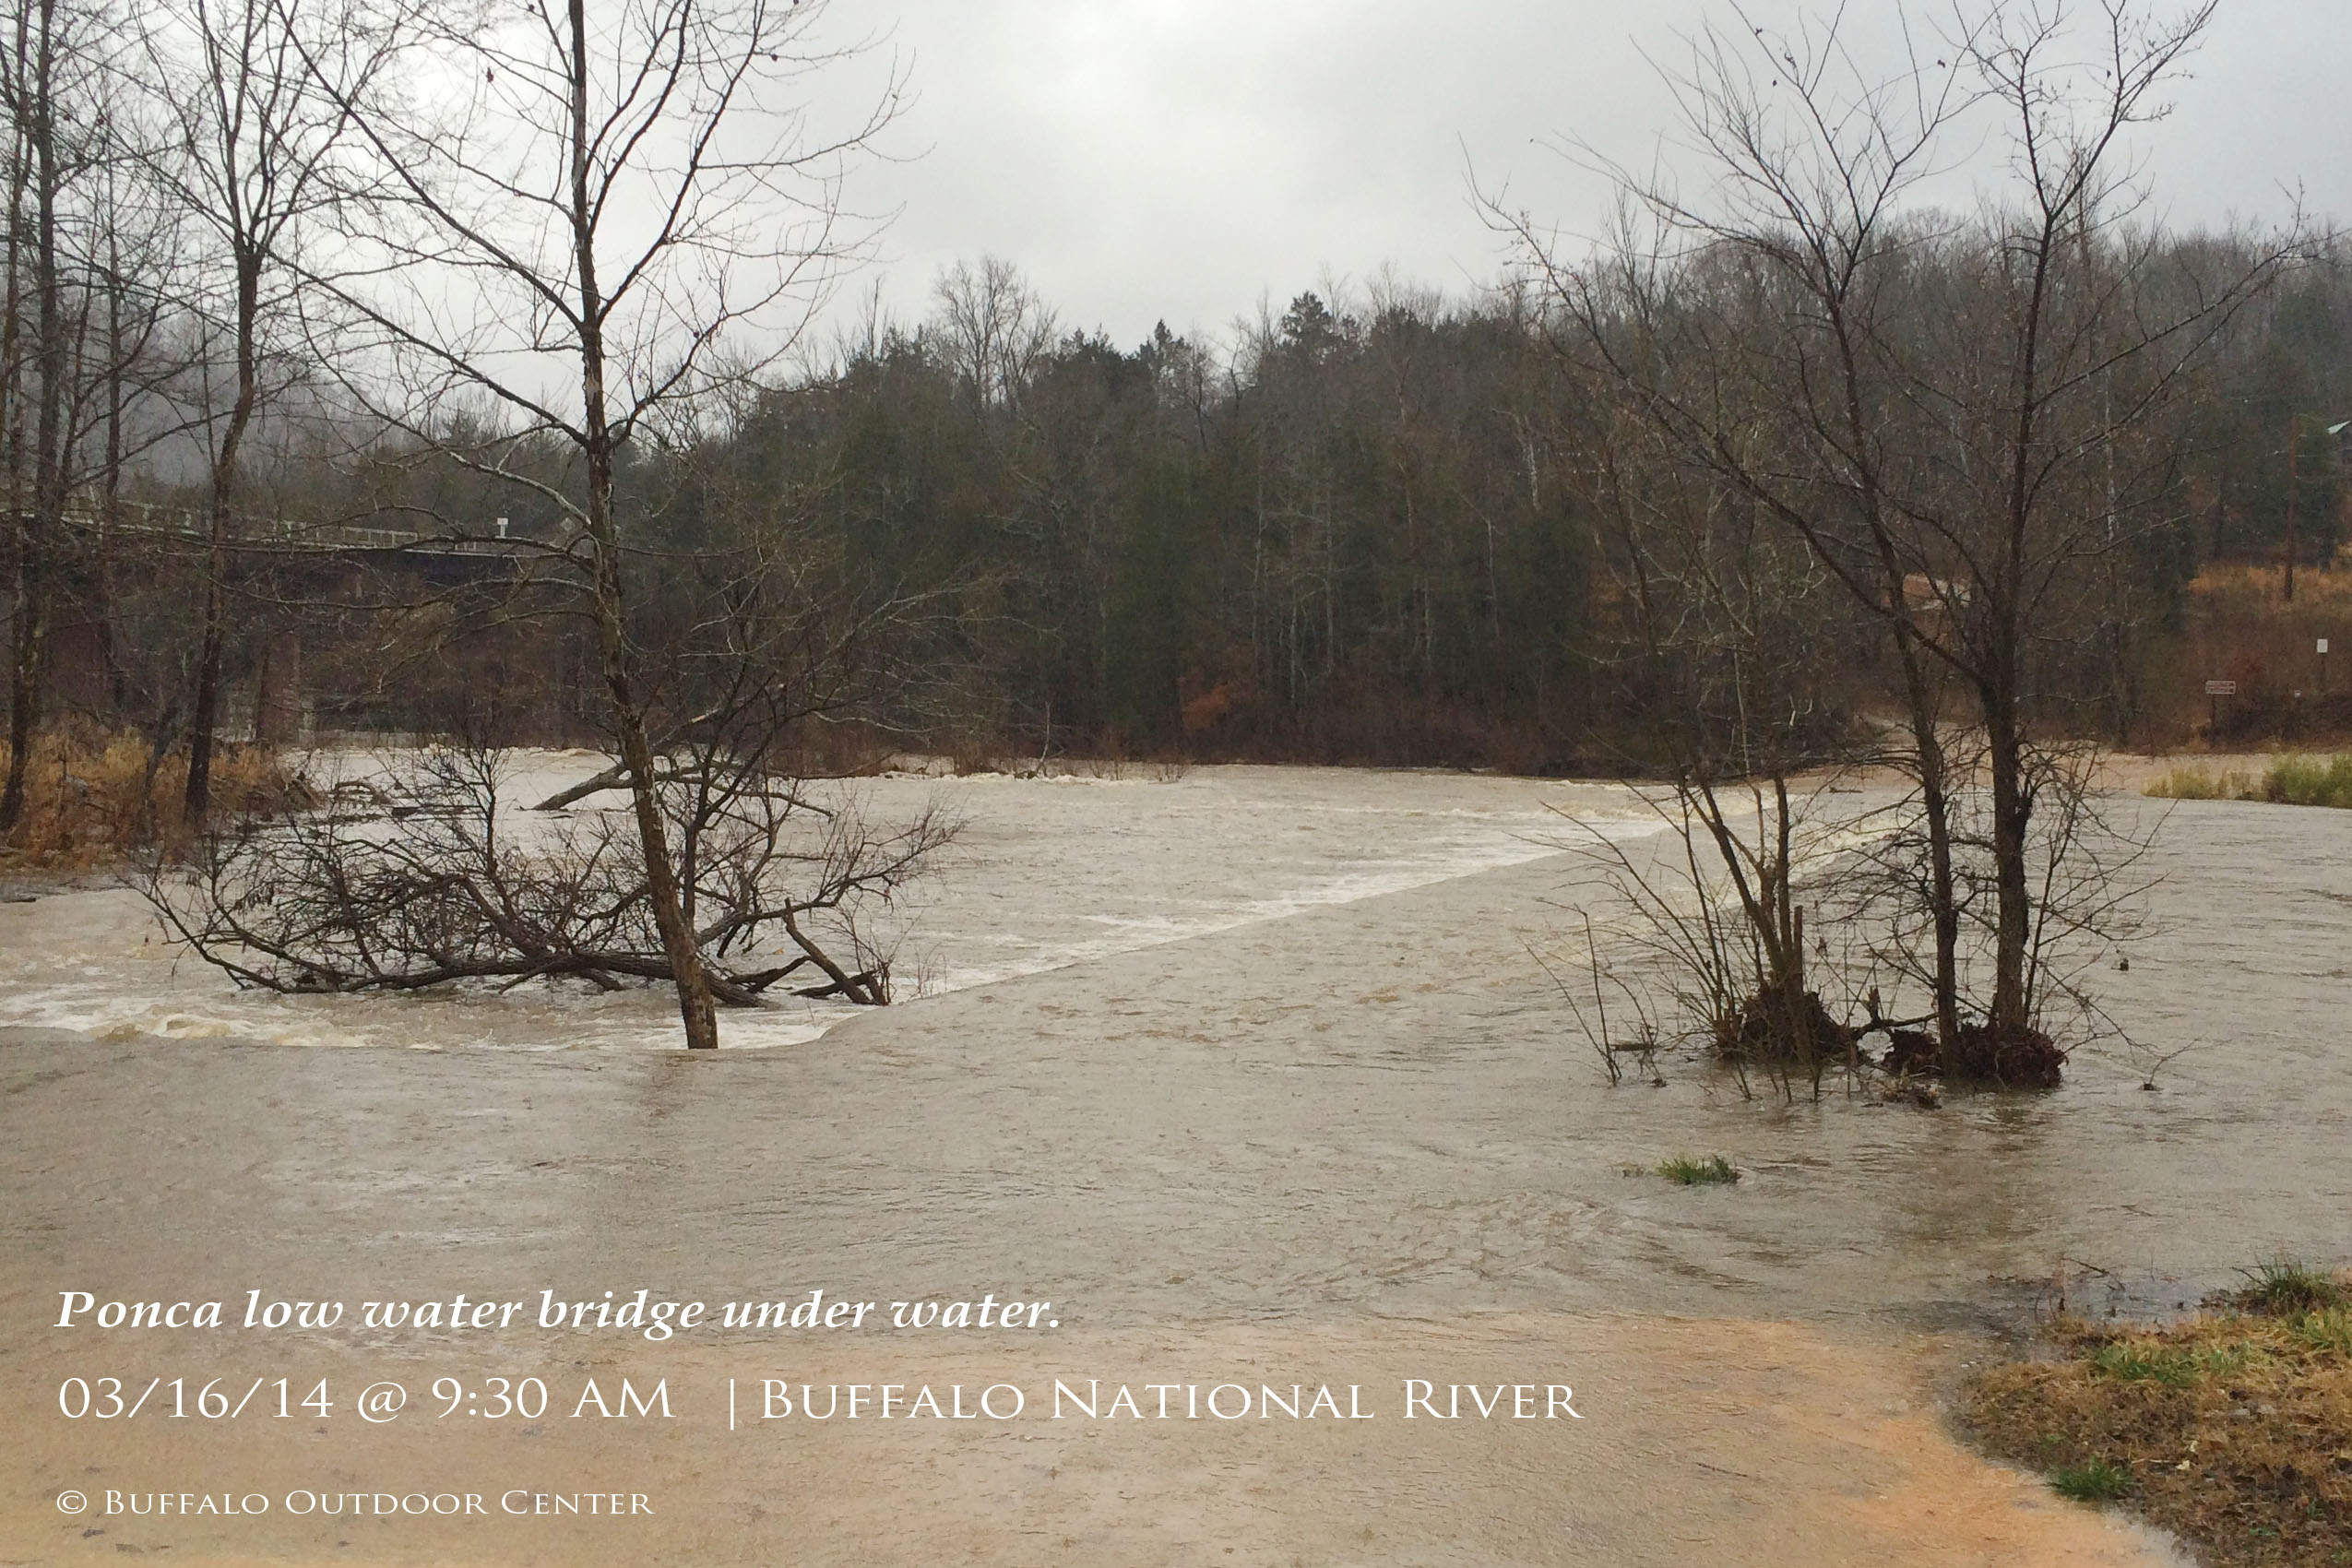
(2234, 625)
(2315, 587)
(2232, 1429)
(90, 800)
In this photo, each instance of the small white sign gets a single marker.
(2322, 644)
(2221, 688)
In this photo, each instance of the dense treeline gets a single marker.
(1353, 537)
(1376, 527)
(1379, 532)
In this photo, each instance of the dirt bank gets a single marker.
(1748, 1442)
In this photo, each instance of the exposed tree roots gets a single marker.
(1767, 1032)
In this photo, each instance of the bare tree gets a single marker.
(594, 220)
(44, 69)
(83, 303)
(135, 263)
(258, 96)
(991, 328)
(1727, 644)
(1960, 417)
(456, 884)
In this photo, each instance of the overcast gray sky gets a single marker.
(1182, 158)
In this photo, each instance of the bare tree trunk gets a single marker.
(1929, 763)
(38, 528)
(197, 801)
(2011, 1013)
(1943, 904)
(695, 1007)
(2002, 657)
(1926, 733)
(118, 686)
(12, 382)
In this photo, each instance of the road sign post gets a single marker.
(2214, 692)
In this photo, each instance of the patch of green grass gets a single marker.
(2310, 781)
(2226, 1361)
(1696, 1171)
(2231, 1427)
(2291, 781)
(2172, 1366)
(2327, 1330)
(2287, 1288)
(2143, 1363)
(2094, 1480)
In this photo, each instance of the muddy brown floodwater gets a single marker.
(1249, 1073)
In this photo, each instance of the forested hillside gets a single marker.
(1375, 533)
(1375, 524)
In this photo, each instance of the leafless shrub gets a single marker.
(1642, 1041)
(456, 883)
(1714, 916)
(2088, 883)
(1971, 424)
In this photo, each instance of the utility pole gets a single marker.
(2294, 423)
(2294, 428)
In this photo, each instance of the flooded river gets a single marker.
(1247, 1068)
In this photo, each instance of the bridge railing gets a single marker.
(255, 530)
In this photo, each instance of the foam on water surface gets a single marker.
(1048, 873)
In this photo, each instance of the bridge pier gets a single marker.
(282, 709)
